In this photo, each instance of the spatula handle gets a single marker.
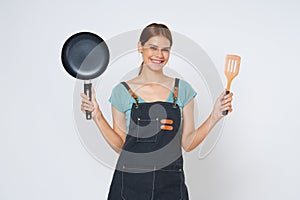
(88, 92)
(225, 112)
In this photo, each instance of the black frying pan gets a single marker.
(85, 56)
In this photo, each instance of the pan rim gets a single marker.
(73, 70)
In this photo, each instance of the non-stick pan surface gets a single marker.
(85, 55)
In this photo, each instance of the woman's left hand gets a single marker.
(223, 103)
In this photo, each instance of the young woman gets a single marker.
(153, 119)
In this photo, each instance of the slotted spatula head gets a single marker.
(232, 67)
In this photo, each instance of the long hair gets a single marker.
(152, 30)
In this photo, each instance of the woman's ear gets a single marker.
(140, 48)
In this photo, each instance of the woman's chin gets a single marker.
(155, 66)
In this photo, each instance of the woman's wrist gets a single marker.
(97, 113)
(213, 118)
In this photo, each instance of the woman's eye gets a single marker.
(153, 48)
(166, 50)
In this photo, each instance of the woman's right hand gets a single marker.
(88, 105)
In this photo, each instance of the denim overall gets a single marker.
(150, 165)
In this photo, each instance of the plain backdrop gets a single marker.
(257, 155)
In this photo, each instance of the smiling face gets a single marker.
(156, 52)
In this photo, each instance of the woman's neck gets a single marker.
(148, 76)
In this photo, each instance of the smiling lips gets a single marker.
(155, 61)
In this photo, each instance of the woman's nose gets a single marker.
(159, 53)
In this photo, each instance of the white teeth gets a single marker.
(156, 61)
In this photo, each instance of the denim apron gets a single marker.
(150, 165)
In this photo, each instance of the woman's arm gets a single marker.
(191, 138)
(115, 136)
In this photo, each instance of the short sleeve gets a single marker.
(117, 97)
(186, 92)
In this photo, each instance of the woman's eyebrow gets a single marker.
(158, 46)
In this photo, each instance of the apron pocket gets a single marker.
(137, 184)
(147, 129)
(169, 184)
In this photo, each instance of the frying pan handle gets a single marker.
(225, 112)
(88, 92)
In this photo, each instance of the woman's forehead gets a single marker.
(160, 41)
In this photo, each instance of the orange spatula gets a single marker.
(232, 67)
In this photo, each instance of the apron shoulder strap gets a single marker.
(175, 94)
(131, 93)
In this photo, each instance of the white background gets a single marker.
(257, 156)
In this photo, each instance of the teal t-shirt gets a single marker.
(122, 100)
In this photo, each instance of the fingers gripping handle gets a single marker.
(88, 92)
(225, 112)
